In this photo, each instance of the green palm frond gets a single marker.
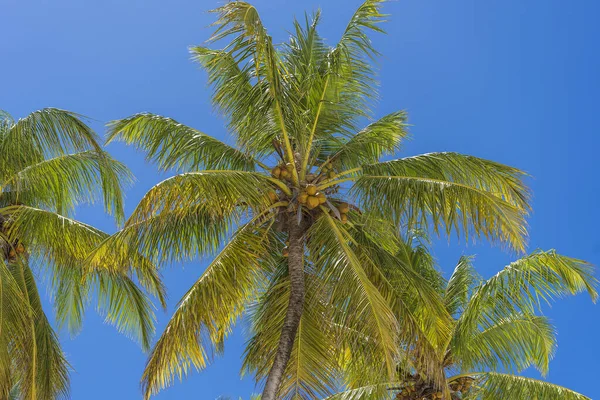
(60, 246)
(382, 391)
(494, 385)
(206, 313)
(460, 285)
(65, 181)
(312, 370)
(174, 145)
(374, 141)
(457, 191)
(514, 343)
(40, 358)
(363, 310)
(541, 276)
(219, 192)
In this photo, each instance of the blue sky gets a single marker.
(513, 81)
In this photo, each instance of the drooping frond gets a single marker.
(460, 285)
(519, 288)
(174, 145)
(60, 246)
(65, 181)
(450, 189)
(362, 310)
(45, 370)
(206, 313)
(493, 386)
(382, 391)
(47, 133)
(312, 369)
(513, 343)
(218, 192)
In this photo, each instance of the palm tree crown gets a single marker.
(50, 162)
(306, 208)
(495, 333)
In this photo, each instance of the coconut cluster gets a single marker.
(421, 391)
(283, 171)
(311, 198)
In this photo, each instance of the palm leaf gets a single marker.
(206, 313)
(454, 190)
(173, 145)
(494, 385)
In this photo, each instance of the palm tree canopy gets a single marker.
(50, 162)
(495, 334)
(302, 153)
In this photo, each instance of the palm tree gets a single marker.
(495, 333)
(287, 198)
(50, 162)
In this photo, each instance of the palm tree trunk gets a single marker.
(294, 311)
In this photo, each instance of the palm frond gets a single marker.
(460, 285)
(206, 313)
(62, 182)
(45, 133)
(174, 145)
(45, 368)
(513, 343)
(367, 146)
(61, 246)
(494, 385)
(311, 370)
(450, 189)
(362, 309)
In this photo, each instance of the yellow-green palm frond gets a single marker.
(62, 182)
(312, 369)
(493, 385)
(219, 192)
(352, 83)
(42, 367)
(362, 310)
(520, 286)
(52, 158)
(513, 343)
(60, 247)
(459, 192)
(207, 312)
(371, 143)
(460, 285)
(174, 145)
(381, 391)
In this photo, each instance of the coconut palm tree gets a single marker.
(280, 207)
(495, 333)
(50, 161)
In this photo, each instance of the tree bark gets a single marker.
(294, 310)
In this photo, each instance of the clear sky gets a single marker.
(514, 81)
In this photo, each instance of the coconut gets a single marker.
(302, 198)
(276, 172)
(344, 208)
(344, 218)
(322, 198)
(289, 167)
(285, 252)
(331, 174)
(12, 254)
(284, 174)
(312, 202)
(311, 189)
(20, 248)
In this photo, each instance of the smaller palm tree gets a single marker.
(495, 334)
(50, 162)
